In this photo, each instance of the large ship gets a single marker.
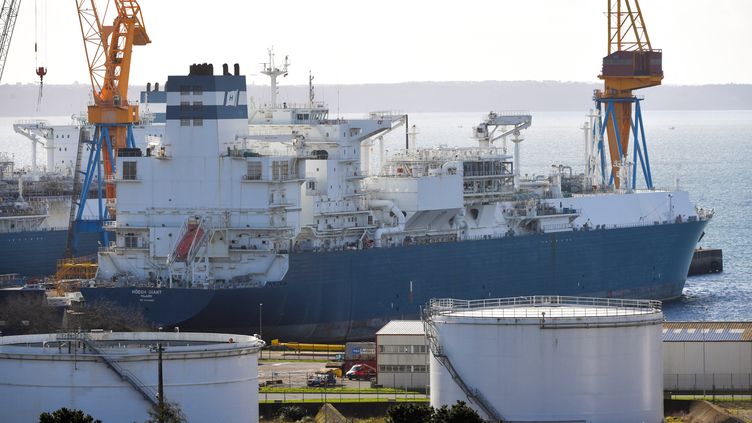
(300, 227)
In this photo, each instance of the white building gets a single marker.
(402, 355)
(710, 357)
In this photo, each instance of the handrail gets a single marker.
(445, 306)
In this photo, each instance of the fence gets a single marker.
(708, 383)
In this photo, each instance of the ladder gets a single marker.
(147, 392)
(76, 194)
(473, 395)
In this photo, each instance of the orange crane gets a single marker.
(631, 64)
(108, 54)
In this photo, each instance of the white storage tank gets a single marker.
(548, 358)
(113, 376)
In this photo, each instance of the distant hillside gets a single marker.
(20, 100)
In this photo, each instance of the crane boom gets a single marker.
(108, 54)
(8, 15)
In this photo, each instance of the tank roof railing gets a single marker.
(444, 306)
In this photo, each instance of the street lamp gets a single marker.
(260, 315)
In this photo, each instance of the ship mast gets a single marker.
(273, 72)
(311, 93)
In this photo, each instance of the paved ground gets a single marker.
(294, 374)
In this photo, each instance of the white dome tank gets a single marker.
(113, 376)
(548, 358)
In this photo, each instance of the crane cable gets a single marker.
(40, 32)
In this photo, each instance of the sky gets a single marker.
(387, 41)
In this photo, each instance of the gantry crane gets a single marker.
(631, 64)
(108, 54)
(8, 15)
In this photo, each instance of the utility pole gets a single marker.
(261, 333)
(160, 383)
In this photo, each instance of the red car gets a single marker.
(361, 372)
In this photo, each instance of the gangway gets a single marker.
(474, 395)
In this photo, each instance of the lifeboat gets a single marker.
(193, 231)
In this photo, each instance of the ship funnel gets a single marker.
(237, 69)
(225, 69)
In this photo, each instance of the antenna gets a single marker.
(269, 69)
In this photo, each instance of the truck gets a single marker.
(361, 372)
(322, 378)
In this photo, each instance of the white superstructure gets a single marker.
(239, 198)
(113, 376)
(548, 358)
(221, 203)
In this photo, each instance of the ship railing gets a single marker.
(513, 113)
(386, 114)
(48, 198)
(612, 191)
(526, 306)
(32, 122)
(290, 106)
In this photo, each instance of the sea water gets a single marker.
(709, 153)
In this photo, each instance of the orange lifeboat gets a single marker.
(193, 231)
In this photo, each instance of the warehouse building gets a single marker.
(707, 357)
(402, 355)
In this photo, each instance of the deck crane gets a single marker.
(631, 64)
(108, 54)
(8, 15)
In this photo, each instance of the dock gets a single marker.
(705, 261)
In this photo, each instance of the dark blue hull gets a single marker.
(35, 253)
(348, 295)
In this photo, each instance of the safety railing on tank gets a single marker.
(579, 306)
